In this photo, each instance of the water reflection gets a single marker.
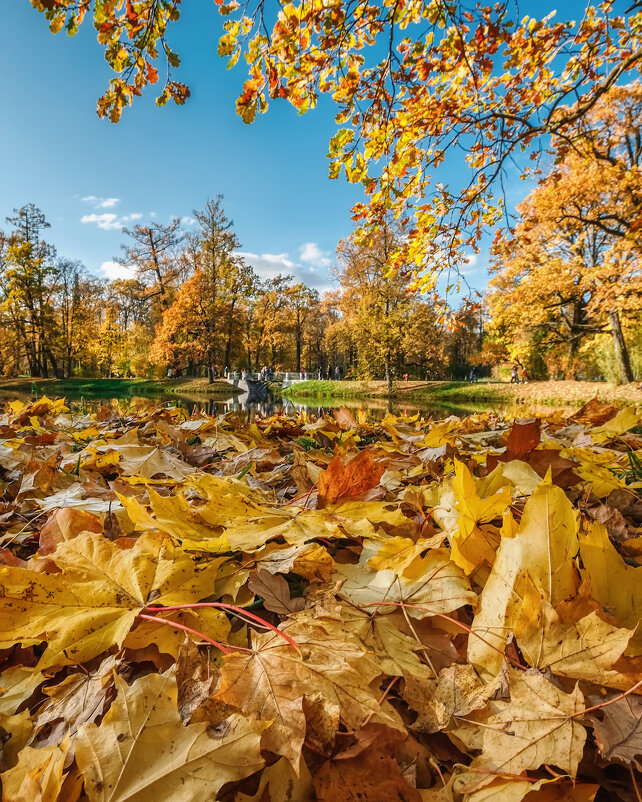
(250, 409)
(377, 409)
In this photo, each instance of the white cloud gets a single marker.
(113, 270)
(188, 221)
(101, 203)
(311, 253)
(106, 221)
(471, 265)
(269, 265)
(109, 221)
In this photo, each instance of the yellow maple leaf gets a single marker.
(142, 751)
(475, 541)
(91, 605)
(543, 547)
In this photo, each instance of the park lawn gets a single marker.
(555, 393)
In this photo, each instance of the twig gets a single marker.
(238, 611)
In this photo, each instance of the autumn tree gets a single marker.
(373, 303)
(203, 323)
(415, 85)
(265, 334)
(571, 268)
(154, 254)
(301, 304)
(77, 300)
(28, 283)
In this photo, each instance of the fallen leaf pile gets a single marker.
(199, 608)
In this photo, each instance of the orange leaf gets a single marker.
(349, 480)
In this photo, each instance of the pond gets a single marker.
(377, 408)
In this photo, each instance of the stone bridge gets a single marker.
(258, 388)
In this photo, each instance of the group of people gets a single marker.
(515, 374)
(329, 373)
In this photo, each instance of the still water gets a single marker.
(376, 408)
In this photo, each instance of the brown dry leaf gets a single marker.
(78, 699)
(537, 727)
(371, 775)
(618, 730)
(345, 419)
(271, 684)
(275, 592)
(142, 751)
(339, 481)
(594, 412)
(65, 524)
(613, 520)
(280, 783)
(196, 680)
(385, 632)
(522, 439)
(457, 692)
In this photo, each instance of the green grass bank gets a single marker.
(555, 393)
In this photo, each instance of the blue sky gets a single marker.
(90, 177)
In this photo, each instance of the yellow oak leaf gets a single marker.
(17, 684)
(38, 774)
(538, 726)
(433, 583)
(614, 584)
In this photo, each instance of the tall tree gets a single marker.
(562, 276)
(154, 254)
(28, 283)
(301, 303)
(374, 302)
(202, 324)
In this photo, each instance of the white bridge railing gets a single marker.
(278, 376)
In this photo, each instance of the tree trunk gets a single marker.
(572, 353)
(620, 349)
(230, 332)
(388, 373)
(54, 364)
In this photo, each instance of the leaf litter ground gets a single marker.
(199, 608)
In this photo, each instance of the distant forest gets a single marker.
(564, 301)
